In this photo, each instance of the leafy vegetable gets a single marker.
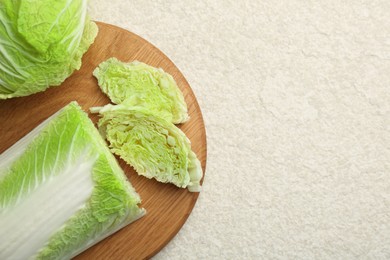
(156, 148)
(41, 43)
(138, 84)
(61, 190)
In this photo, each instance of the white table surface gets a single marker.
(296, 99)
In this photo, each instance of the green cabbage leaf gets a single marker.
(155, 147)
(61, 190)
(138, 84)
(41, 43)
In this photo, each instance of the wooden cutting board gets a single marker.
(168, 207)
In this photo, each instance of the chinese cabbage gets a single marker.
(138, 84)
(61, 190)
(155, 147)
(41, 43)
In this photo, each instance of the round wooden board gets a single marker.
(168, 207)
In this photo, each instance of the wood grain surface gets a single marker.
(167, 206)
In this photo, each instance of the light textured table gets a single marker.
(296, 101)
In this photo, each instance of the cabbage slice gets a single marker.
(61, 190)
(41, 43)
(138, 84)
(155, 147)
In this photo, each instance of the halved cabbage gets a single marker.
(138, 84)
(41, 43)
(155, 147)
(61, 190)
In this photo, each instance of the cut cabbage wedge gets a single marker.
(61, 190)
(155, 147)
(138, 84)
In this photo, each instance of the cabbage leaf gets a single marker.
(41, 43)
(138, 84)
(155, 147)
(61, 190)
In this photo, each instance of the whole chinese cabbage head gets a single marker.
(41, 43)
